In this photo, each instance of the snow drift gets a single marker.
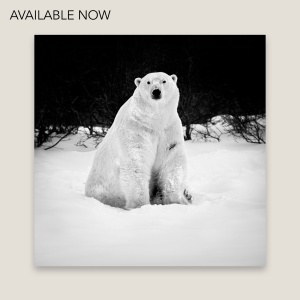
(225, 225)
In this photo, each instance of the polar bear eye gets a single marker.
(148, 82)
(164, 81)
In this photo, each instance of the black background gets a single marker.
(84, 80)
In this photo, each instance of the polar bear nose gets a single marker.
(156, 93)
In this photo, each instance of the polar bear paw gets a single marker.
(188, 196)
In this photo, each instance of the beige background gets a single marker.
(279, 20)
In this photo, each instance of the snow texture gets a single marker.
(225, 225)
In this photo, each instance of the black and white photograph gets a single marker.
(150, 150)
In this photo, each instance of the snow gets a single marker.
(225, 225)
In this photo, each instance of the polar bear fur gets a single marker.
(141, 160)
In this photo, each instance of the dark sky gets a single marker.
(233, 65)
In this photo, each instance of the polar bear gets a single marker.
(141, 160)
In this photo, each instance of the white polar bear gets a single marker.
(141, 160)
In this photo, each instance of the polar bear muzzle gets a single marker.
(156, 93)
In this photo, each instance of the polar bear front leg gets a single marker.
(135, 185)
(172, 177)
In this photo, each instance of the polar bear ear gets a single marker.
(137, 81)
(174, 77)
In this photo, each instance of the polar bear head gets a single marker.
(158, 88)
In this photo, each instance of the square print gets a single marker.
(150, 150)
